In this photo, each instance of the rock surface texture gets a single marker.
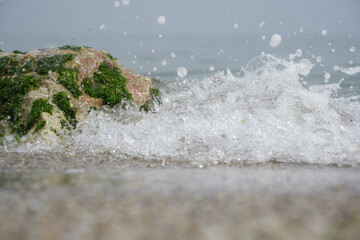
(47, 92)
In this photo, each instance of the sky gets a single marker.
(79, 17)
(222, 33)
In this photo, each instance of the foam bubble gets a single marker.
(324, 32)
(236, 25)
(261, 24)
(211, 68)
(352, 49)
(102, 27)
(275, 40)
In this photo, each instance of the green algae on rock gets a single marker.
(47, 92)
(107, 84)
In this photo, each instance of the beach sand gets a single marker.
(58, 196)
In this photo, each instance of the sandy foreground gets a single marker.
(58, 196)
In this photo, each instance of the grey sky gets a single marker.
(76, 17)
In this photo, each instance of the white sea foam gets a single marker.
(262, 114)
(265, 115)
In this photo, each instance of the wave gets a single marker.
(264, 113)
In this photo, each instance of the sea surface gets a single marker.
(250, 141)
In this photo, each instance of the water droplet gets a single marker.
(352, 49)
(102, 26)
(236, 25)
(301, 30)
(181, 72)
(153, 50)
(261, 24)
(173, 55)
(318, 59)
(137, 17)
(155, 69)
(160, 35)
(2, 43)
(336, 68)
(164, 62)
(275, 40)
(116, 3)
(212, 68)
(263, 37)
(333, 50)
(327, 77)
(324, 32)
(161, 20)
(125, 33)
(298, 52)
(126, 2)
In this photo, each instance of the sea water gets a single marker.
(254, 137)
(233, 100)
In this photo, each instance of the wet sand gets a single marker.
(61, 196)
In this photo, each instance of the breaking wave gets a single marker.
(263, 113)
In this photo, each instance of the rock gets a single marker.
(47, 92)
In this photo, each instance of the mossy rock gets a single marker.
(47, 92)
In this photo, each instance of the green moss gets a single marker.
(71, 47)
(39, 106)
(156, 95)
(110, 56)
(40, 125)
(63, 102)
(108, 84)
(64, 124)
(56, 132)
(1, 50)
(93, 108)
(68, 78)
(2, 132)
(3, 62)
(18, 52)
(54, 63)
(12, 91)
(149, 105)
(8, 66)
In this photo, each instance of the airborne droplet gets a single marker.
(181, 72)
(275, 40)
(116, 3)
(126, 2)
(161, 20)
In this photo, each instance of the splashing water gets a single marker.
(264, 115)
(261, 114)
